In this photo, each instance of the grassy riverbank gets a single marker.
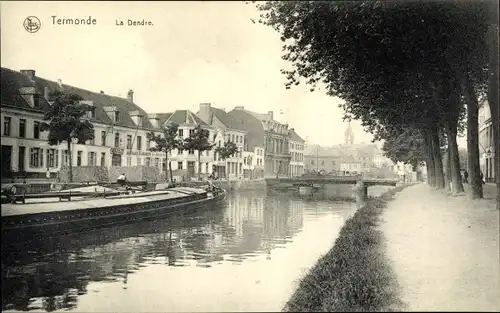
(354, 275)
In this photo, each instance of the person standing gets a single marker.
(466, 177)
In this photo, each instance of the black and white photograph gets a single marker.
(250, 156)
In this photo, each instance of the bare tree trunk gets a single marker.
(474, 169)
(170, 170)
(199, 166)
(447, 172)
(453, 158)
(493, 86)
(438, 161)
(166, 166)
(431, 176)
(70, 163)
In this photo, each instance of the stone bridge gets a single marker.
(340, 187)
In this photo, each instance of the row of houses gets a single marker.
(266, 147)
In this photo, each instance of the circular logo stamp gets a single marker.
(32, 24)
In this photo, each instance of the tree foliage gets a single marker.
(396, 65)
(166, 142)
(228, 150)
(67, 120)
(198, 140)
(406, 147)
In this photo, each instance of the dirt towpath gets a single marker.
(444, 250)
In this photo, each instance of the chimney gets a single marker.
(130, 95)
(292, 129)
(239, 107)
(46, 93)
(102, 92)
(29, 73)
(270, 113)
(204, 113)
(59, 82)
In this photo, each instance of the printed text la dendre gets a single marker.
(93, 21)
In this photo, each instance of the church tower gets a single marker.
(348, 135)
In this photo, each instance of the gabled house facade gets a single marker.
(120, 128)
(185, 163)
(235, 167)
(268, 137)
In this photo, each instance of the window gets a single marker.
(179, 165)
(117, 116)
(103, 138)
(148, 144)
(181, 133)
(157, 162)
(206, 167)
(36, 101)
(129, 142)
(180, 151)
(312, 162)
(52, 158)
(22, 128)
(64, 157)
(92, 141)
(191, 151)
(139, 161)
(36, 157)
(103, 158)
(139, 143)
(129, 161)
(56, 157)
(148, 161)
(79, 158)
(6, 125)
(232, 138)
(92, 159)
(139, 121)
(91, 113)
(117, 140)
(191, 132)
(36, 130)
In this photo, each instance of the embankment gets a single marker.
(355, 274)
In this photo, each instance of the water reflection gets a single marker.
(53, 274)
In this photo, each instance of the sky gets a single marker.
(194, 52)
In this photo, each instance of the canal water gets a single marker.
(246, 256)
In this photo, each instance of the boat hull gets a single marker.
(54, 224)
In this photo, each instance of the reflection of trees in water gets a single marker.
(56, 270)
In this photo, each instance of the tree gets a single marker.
(198, 140)
(406, 147)
(228, 150)
(67, 121)
(351, 48)
(166, 142)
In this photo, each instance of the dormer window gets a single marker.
(36, 101)
(139, 121)
(117, 116)
(91, 113)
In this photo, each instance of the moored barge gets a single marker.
(23, 221)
